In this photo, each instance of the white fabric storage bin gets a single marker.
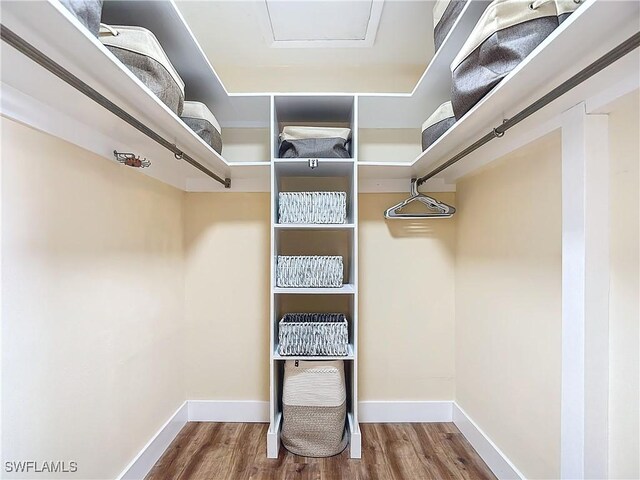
(445, 14)
(437, 124)
(199, 118)
(314, 142)
(139, 50)
(314, 408)
(507, 32)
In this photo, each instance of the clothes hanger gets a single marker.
(437, 209)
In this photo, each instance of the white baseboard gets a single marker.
(142, 464)
(249, 411)
(368, 412)
(497, 461)
(405, 412)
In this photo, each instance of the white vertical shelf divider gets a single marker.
(307, 109)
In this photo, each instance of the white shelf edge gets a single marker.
(347, 289)
(314, 226)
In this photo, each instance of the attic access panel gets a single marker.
(321, 23)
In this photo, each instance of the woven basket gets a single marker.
(314, 408)
(312, 207)
(313, 334)
(309, 271)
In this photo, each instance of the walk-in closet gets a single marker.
(290, 239)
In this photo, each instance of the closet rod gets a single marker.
(600, 64)
(40, 58)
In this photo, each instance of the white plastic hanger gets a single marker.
(437, 209)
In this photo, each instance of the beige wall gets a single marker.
(508, 304)
(226, 239)
(624, 330)
(406, 304)
(92, 290)
(406, 344)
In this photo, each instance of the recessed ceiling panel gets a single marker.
(319, 20)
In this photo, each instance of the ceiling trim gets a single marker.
(262, 11)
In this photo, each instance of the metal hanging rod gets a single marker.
(41, 59)
(600, 64)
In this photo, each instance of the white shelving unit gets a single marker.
(304, 239)
(36, 97)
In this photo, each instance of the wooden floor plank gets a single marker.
(237, 451)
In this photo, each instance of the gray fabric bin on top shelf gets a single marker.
(445, 14)
(314, 408)
(139, 50)
(199, 118)
(314, 142)
(507, 32)
(437, 124)
(88, 12)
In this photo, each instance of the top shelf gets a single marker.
(410, 110)
(29, 90)
(592, 30)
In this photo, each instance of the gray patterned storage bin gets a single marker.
(312, 207)
(313, 334)
(437, 124)
(88, 12)
(139, 50)
(309, 271)
(507, 32)
(445, 14)
(199, 118)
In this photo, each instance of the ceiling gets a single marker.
(314, 45)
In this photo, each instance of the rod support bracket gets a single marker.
(227, 183)
(131, 159)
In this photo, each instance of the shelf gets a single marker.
(43, 101)
(348, 289)
(597, 26)
(314, 226)
(349, 356)
(327, 167)
(410, 110)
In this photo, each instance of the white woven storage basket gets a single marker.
(312, 207)
(314, 408)
(313, 334)
(309, 271)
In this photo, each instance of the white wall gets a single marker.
(508, 304)
(92, 305)
(624, 322)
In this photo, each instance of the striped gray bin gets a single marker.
(437, 124)
(140, 51)
(88, 12)
(199, 118)
(314, 408)
(445, 14)
(507, 32)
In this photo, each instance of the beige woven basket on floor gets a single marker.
(314, 408)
